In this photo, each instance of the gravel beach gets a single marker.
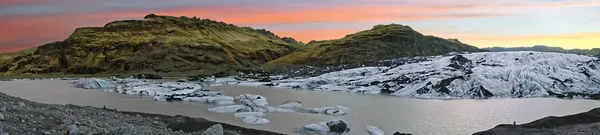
(23, 117)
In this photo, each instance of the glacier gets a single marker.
(473, 75)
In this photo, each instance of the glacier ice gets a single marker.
(474, 75)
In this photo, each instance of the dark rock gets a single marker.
(270, 84)
(296, 87)
(547, 124)
(375, 83)
(398, 133)
(338, 127)
(386, 91)
(266, 79)
(441, 87)
(460, 59)
(480, 92)
(147, 76)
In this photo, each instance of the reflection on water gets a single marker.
(391, 114)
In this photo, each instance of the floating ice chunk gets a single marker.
(372, 130)
(247, 108)
(291, 104)
(160, 98)
(229, 109)
(253, 100)
(223, 102)
(92, 83)
(335, 127)
(332, 110)
(247, 114)
(255, 120)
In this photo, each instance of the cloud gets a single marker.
(585, 40)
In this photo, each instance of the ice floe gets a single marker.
(331, 110)
(92, 83)
(372, 130)
(336, 127)
(253, 100)
(247, 114)
(291, 104)
(255, 120)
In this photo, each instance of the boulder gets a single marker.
(73, 130)
(372, 130)
(291, 104)
(331, 110)
(336, 127)
(255, 120)
(253, 100)
(216, 129)
(92, 83)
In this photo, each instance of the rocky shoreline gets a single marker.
(587, 123)
(22, 117)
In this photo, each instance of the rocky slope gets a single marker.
(22, 117)
(379, 43)
(542, 48)
(476, 75)
(155, 44)
(587, 123)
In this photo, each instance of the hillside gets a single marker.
(542, 48)
(379, 43)
(155, 44)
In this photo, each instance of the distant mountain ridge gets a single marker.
(379, 43)
(154, 44)
(543, 48)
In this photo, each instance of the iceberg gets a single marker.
(372, 130)
(248, 114)
(335, 127)
(331, 110)
(253, 100)
(92, 83)
(247, 108)
(291, 104)
(255, 120)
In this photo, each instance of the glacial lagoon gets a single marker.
(391, 114)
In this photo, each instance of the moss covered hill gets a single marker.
(154, 44)
(379, 43)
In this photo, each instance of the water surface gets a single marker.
(391, 114)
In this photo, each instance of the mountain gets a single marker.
(379, 43)
(475, 75)
(155, 44)
(542, 48)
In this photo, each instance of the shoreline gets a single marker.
(581, 123)
(21, 116)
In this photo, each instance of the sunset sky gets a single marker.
(483, 23)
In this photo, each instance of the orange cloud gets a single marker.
(568, 41)
(364, 13)
(307, 35)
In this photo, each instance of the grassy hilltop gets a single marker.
(379, 43)
(154, 44)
